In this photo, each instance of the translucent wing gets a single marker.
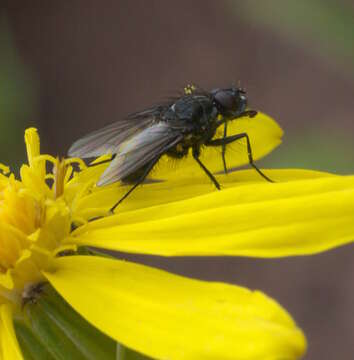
(108, 139)
(145, 146)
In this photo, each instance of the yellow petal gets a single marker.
(32, 145)
(171, 317)
(4, 169)
(259, 219)
(10, 349)
(185, 187)
(264, 133)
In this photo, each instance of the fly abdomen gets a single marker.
(178, 151)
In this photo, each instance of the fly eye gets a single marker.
(225, 100)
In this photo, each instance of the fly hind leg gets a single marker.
(138, 181)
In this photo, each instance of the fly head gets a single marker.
(230, 102)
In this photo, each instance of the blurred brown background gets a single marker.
(71, 67)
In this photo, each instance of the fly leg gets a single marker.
(229, 139)
(223, 149)
(103, 161)
(249, 113)
(138, 182)
(210, 175)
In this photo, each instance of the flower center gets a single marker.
(34, 220)
(37, 214)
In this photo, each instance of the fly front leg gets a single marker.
(249, 113)
(231, 139)
(246, 113)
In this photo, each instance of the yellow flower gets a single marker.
(48, 214)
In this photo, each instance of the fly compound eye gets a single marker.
(230, 102)
(226, 101)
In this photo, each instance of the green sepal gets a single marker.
(32, 348)
(50, 329)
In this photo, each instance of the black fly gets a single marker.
(187, 122)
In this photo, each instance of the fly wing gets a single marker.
(145, 146)
(108, 139)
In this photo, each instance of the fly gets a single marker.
(187, 122)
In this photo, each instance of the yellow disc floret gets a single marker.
(37, 214)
